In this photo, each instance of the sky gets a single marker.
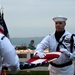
(33, 18)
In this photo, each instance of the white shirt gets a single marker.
(51, 43)
(8, 53)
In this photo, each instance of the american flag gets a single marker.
(3, 27)
(37, 61)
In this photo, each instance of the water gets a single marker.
(26, 41)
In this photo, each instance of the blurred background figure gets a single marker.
(31, 45)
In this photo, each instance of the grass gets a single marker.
(30, 73)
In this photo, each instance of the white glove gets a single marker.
(40, 54)
(66, 52)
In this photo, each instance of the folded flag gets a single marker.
(37, 61)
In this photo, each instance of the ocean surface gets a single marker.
(25, 41)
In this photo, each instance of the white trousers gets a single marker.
(51, 73)
(69, 70)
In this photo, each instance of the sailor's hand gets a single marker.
(66, 52)
(40, 54)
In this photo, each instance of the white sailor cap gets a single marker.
(59, 18)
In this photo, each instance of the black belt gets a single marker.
(61, 65)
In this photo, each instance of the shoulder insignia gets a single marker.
(67, 40)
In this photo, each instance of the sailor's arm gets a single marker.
(9, 55)
(41, 47)
(68, 53)
(44, 44)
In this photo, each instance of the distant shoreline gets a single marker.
(21, 41)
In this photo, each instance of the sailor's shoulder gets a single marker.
(51, 35)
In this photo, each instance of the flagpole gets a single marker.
(2, 11)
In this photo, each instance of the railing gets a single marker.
(24, 55)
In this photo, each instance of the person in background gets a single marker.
(8, 54)
(31, 45)
(61, 40)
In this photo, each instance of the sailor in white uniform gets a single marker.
(59, 40)
(8, 54)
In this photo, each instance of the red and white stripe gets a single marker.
(48, 58)
(1, 29)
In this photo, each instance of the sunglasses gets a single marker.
(58, 23)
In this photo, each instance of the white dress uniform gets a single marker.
(51, 43)
(8, 53)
